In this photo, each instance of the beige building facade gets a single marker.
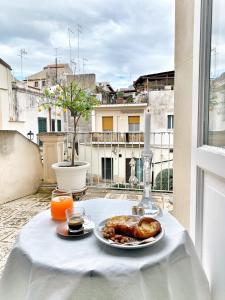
(120, 114)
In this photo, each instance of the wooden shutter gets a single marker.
(107, 123)
(133, 120)
(59, 125)
(42, 124)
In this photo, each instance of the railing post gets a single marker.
(53, 152)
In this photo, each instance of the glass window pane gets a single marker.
(170, 122)
(133, 127)
(53, 125)
(216, 115)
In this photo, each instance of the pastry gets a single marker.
(146, 228)
(132, 226)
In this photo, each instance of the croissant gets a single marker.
(133, 226)
(146, 228)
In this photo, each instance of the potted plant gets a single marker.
(71, 175)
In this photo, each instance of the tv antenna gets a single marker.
(84, 64)
(78, 47)
(56, 65)
(73, 66)
(22, 53)
(70, 49)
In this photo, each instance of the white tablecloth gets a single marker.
(43, 266)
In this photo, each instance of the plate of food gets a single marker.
(129, 232)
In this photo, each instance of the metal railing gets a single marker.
(110, 154)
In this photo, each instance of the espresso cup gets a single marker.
(75, 219)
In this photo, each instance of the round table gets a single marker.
(42, 266)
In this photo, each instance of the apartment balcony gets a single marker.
(158, 139)
(110, 153)
(117, 137)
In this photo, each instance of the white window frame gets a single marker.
(205, 158)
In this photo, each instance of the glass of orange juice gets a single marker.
(60, 202)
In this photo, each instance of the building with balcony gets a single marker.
(118, 136)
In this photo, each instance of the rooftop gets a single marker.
(155, 76)
(53, 66)
(2, 62)
(122, 106)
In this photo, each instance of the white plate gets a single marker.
(98, 234)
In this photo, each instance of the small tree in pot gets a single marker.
(80, 103)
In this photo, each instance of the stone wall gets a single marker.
(162, 103)
(84, 81)
(21, 169)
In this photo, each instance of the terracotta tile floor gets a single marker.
(15, 214)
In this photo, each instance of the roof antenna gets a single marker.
(22, 53)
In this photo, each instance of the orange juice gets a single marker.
(59, 205)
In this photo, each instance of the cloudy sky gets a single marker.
(121, 39)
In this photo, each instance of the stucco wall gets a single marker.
(183, 108)
(5, 94)
(27, 106)
(85, 81)
(20, 166)
(162, 103)
(19, 107)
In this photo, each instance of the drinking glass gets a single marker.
(60, 202)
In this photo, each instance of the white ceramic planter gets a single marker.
(71, 178)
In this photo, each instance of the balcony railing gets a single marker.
(117, 137)
(110, 154)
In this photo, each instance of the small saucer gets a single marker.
(63, 231)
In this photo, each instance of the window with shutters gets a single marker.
(42, 124)
(107, 123)
(133, 123)
(42, 127)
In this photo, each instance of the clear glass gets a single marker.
(75, 219)
(59, 203)
(216, 109)
(147, 202)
